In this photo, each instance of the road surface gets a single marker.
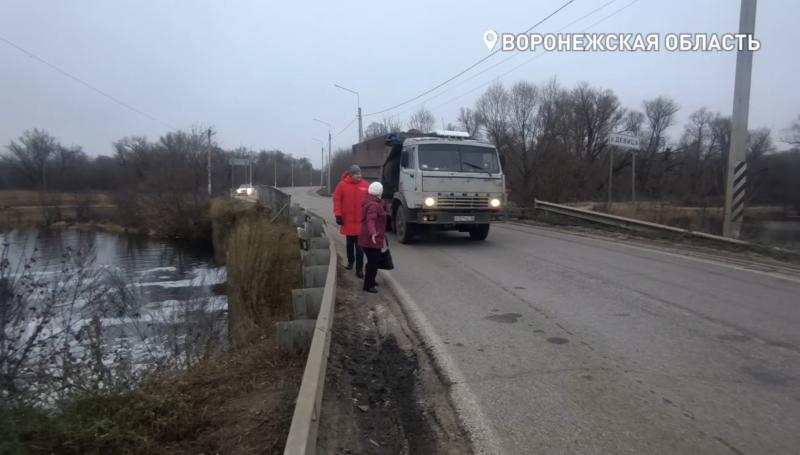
(578, 345)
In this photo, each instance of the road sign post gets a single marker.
(625, 141)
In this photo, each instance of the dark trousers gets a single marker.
(354, 252)
(373, 256)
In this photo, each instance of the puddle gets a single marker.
(557, 340)
(506, 318)
(764, 376)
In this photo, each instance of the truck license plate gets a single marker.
(464, 218)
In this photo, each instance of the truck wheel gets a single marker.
(479, 232)
(403, 229)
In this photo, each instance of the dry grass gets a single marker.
(263, 262)
(705, 219)
(24, 198)
(241, 401)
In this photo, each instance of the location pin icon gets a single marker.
(490, 38)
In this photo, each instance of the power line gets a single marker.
(513, 55)
(345, 128)
(471, 66)
(84, 83)
(497, 78)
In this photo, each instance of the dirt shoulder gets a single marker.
(382, 392)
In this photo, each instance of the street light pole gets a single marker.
(358, 112)
(736, 180)
(329, 151)
(321, 161)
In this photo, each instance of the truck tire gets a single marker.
(402, 228)
(479, 232)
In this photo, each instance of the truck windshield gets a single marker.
(457, 158)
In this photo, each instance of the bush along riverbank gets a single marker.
(68, 385)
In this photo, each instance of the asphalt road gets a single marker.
(579, 345)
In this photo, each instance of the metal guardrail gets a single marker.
(274, 199)
(302, 439)
(618, 221)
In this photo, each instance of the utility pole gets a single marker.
(291, 163)
(633, 175)
(209, 162)
(358, 112)
(329, 151)
(737, 155)
(275, 172)
(610, 176)
(321, 161)
(329, 161)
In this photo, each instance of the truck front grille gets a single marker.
(462, 202)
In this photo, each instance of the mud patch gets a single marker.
(505, 318)
(381, 395)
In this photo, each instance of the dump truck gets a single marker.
(443, 180)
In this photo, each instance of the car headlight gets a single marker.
(430, 202)
(495, 202)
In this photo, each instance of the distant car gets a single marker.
(246, 190)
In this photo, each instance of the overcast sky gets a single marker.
(259, 71)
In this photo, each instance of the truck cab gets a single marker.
(444, 181)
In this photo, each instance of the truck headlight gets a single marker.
(430, 202)
(495, 202)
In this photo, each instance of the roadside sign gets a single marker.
(238, 162)
(623, 140)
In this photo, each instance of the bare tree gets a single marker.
(469, 121)
(32, 152)
(660, 115)
(759, 143)
(632, 122)
(422, 120)
(392, 124)
(595, 113)
(792, 134)
(493, 110)
(375, 129)
(523, 102)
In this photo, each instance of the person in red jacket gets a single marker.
(347, 199)
(372, 237)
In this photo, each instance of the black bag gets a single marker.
(385, 261)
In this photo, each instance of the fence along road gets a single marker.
(578, 345)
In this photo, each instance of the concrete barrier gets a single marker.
(315, 276)
(302, 439)
(319, 243)
(314, 257)
(295, 335)
(306, 302)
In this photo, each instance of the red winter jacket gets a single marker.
(347, 201)
(374, 223)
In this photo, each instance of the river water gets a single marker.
(170, 285)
